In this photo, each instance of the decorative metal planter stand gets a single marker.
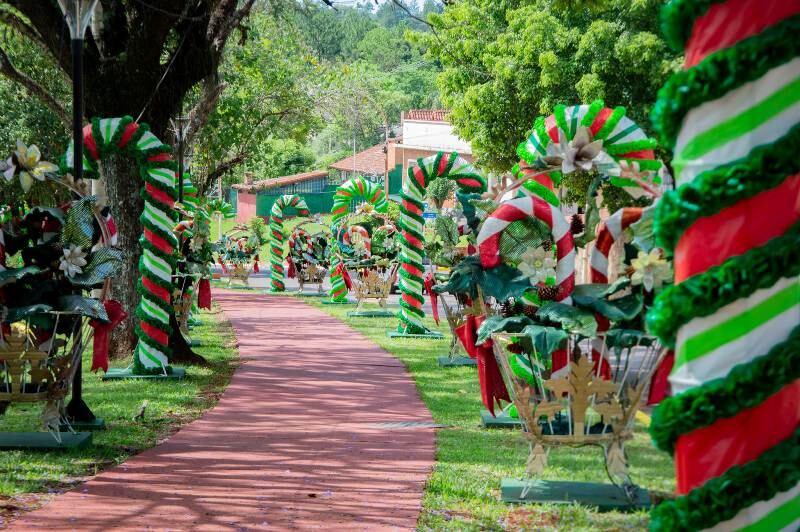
(31, 374)
(310, 273)
(373, 286)
(455, 317)
(577, 407)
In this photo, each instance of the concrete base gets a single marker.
(371, 314)
(310, 294)
(329, 302)
(501, 421)
(127, 374)
(83, 426)
(447, 362)
(43, 441)
(605, 497)
(432, 335)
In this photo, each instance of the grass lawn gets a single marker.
(463, 491)
(171, 404)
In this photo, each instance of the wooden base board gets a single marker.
(447, 362)
(500, 421)
(43, 441)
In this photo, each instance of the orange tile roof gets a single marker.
(371, 161)
(430, 115)
(280, 181)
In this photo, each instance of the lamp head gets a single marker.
(78, 14)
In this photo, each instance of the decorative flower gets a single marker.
(31, 167)
(650, 270)
(365, 208)
(73, 262)
(537, 265)
(580, 152)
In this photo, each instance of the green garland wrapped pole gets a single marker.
(439, 166)
(276, 242)
(124, 136)
(353, 189)
(733, 225)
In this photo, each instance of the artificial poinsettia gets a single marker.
(650, 270)
(73, 261)
(537, 265)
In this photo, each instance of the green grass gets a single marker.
(171, 404)
(463, 491)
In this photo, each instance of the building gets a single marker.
(425, 132)
(255, 198)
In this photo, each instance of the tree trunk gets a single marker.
(123, 186)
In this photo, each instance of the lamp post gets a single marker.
(77, 14)
(181, 126)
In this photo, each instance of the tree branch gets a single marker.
(201, 111)
(8, 70)
(220, 30)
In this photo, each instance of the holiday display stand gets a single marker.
(733, 225)
(455, 362)
(604, 497)
(42, 441)
(501, 420)
(124, 136)
(439, 166)
(353, 189)
(276, 241)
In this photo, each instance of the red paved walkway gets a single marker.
(292, 444)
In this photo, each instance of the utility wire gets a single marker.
(169, 67)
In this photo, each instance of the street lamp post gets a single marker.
(181, 126)
(78, 13)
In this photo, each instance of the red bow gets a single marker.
(116, 314)
(255, 264)
(434, 296)
(340, 270)
(204, 294)
(291, 273)
(659, 385)
(222, 264)
(493, 389)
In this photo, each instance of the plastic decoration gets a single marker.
(439, 166)
(353, 189)
(570, 135)
(519, 209)
(357, 233)
(124, 136)
(734, 227)
(276, 228)
(609, 232)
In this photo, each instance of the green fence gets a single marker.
(318, 202)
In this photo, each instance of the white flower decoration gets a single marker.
(538, 265)
(30, 165)
(580, 152)
(73, 262)
(650, 270)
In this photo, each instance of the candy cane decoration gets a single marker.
(623, 140)
(363, 234)
(357, 188)
(104, 137)
(300, 240)
(609, 232)
(531, 207)
(276, 228)
(189, 194)
(733, 226)
(439, 166)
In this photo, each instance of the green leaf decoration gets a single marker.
(598, 290)
(620, 339)
(78, 226)
(503, 282)
(86, 306)
(21, 313)
(469, 210)
(644, 238)
(572, 319)
(545, 339)
(463, 279)
(104, 263)
(447, 229)
(496, 324)
(13, 275)
(623, 309)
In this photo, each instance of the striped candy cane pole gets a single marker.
(104, 137)
(531, 207)
(276, 228)
(189, 193)
(622, 139)
(608, 233)
(356, 188)
(439, 166)
(733, 225)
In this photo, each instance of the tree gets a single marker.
(138, 58)
(505, 63)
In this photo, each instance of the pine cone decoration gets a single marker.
(576, 225)
(507, 308)
(547, 245)
(529, 311)
(548, 293)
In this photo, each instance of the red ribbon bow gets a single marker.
(255, 264)
(340, 270)
(204, 294)
(116, 314)
(291, 272)
(222, 265)
(493, 389)
(434, 296)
